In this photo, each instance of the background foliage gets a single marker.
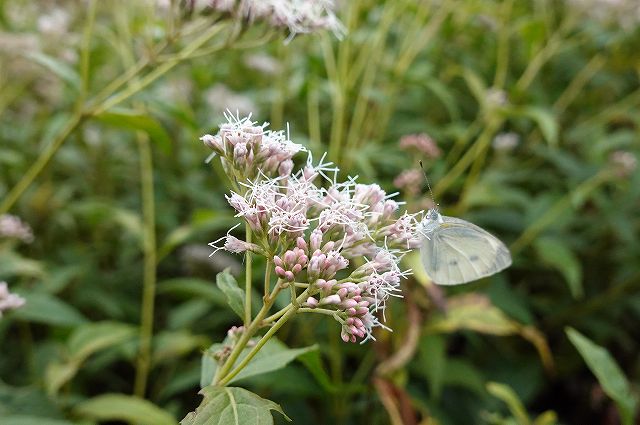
(121, 204)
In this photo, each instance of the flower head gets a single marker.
(9, 301)
(11, 227)
(314, 229)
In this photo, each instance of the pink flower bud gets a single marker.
(285, 168)
(289, 276)
(300, 243)
(331, 299)
(280, 271)
(311, 302)
(289, 258)
(296, 269)
(278, 261)
(315, 240)
(349, 303)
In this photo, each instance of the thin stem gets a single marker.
(247, 279)
(247, 334)
(577, 196)
(276, 315)
(294, 295)
(267, 277)
(18, 190)
(85, 53)
(245, 361)
(579, 81)
(317, 310)
(158, 72)
(41, 162)
(149, 248)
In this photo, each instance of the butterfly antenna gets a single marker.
(428, 184)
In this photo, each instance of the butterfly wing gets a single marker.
(460, 252)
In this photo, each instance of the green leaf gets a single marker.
(544, 119)
(85, 341)
(131, 409)
(193, 288)
(209, 365)
(49, 310)
(12, 264)
(94, 337)
(235, 295)
(125, 118)
(272, 356)
(555, 253)
(232, 406)
(62, 70)
(506, 394)
(313, 361)
(433, 360)
(605, 368)
(473, 312)
(32, 420)
(170, 345)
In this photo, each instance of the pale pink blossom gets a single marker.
(9, 301)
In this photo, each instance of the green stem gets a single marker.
(246, 335)
(247, 282)
(225, 380)
(276, 315)
(317, 310)
(158, 72)
(41, 162)
(267, 278)
(149, 248)
(576, 196)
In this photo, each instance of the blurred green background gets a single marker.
(533, 107)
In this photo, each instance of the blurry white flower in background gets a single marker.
(54, 23)
(623, 13)
(505, 141)
(263, 63)
(11, 227)
(299, 16)
(9, 301)
(219, 98)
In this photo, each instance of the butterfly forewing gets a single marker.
(459, 252)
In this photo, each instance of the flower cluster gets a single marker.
(247, 148)
(423, 143)
(341, 241)
(11, 227)
(9, 301)
(299, 16)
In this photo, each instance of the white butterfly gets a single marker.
(454, 251)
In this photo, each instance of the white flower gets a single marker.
(9, 301)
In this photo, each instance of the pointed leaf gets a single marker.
(125, 118)
(32, 420)
(57, 67)
(85, 341)
(555, 253)
(49, 310)
(232, 406)
(121, 407)
(272, 356)
(506, 394)
(235, 295)
(613, 381)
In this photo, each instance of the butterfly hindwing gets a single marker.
(459, 252)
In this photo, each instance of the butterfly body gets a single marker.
(454, 251)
